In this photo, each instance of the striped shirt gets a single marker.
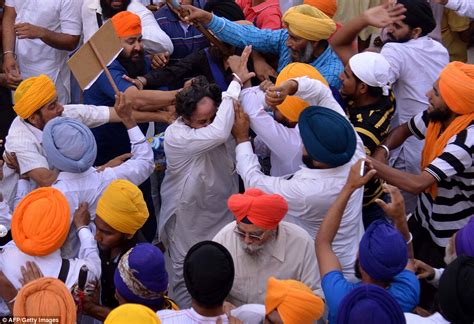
(274, 41)
(454, 172)
(372, 123)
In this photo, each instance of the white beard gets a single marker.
(450, 254)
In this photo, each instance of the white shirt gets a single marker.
(36, 57)
(199, 175)
(88, 186)
(249, 314)
(292, 257)
(284, 143)
(11, 259)
(27, 142)
(462, 7)
(155, 40)
(414, 67)
(436, 318)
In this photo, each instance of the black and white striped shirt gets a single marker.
(454, 172)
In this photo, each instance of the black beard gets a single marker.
(357, 273)
(133, 68)
(108, 11)
(393, 40)
(439, 115)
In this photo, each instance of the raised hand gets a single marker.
(81, 215)
(238, 64)
(384, 15)
(275, 96)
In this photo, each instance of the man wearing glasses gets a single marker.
(262, 246)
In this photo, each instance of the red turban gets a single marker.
(127, 24)
(262, 209)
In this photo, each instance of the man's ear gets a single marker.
(363, 88)
(416, 32)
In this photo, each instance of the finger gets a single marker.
(382, 204)
(369, 175)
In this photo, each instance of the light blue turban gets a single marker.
(69, 145)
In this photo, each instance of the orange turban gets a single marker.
(41, 221)
(32, 94)
(263, 210)
(456, 86)
(292, 107)
(329, 7)
(295, 302)
(127, 24)
(46, 297)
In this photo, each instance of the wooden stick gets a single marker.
(104, 66)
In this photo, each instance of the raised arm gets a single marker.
(379, 16)
(327, 259)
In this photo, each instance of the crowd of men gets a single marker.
(247, 161)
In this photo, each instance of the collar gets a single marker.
(166, 12)
(95, 6)
(72, 176)
(381, 104)
(265, 5)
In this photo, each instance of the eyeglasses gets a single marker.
(253, 237)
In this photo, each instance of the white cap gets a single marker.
(372, 69)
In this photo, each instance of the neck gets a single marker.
(208, 312)
(322, 45)
(364, 100)
(447, 122)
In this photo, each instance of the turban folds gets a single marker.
(292, 106)
(208, 273)
(127, 24)
(46, 297)
(369, 304)
(372, 69)
(327, 136)
(456, 290)
(295, 302)
(456, 87)
(141, 276)
(419, 14)
(309, 23)
(329, 7)
(263, 210)
(32, 94)
(122, 207)
(69, 145)
(41, 221)
(132, 314)
(464, 239)
(382, 251)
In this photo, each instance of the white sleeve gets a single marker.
(89, 252)
(155, 40)
(284, 142)
(89, 19)
(23, 188)
(140, 166)
(394, 58)
(317, 93)
(462, 7)
(70, 17)
(190, 141)
(91, 116)
(5, 215)
(437, 276)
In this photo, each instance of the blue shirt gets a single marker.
(405, 288)
(112, 139)
(184, 43)
(274, 41)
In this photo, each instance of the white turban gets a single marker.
(372, 69)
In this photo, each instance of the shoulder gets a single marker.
(406, 279)
(171, 314)
(225, 233)
(296, 233)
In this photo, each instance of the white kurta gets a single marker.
(414, 68)
(34, 56)
(155, 40)
(291, 256)
(198, 181)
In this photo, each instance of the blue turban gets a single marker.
(382, 251)
(327, 136)
(369, 304)
(141, 276)
(69, 145)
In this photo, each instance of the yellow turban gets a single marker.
(132, 314)
(122, 207)
(41, 221)
(456, 87)
(32, 94)
(308, 22)
(292, 107)
(295, 302)
(45, 297)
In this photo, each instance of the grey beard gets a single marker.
(257, 251)
(449, 257)
(307, 54)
